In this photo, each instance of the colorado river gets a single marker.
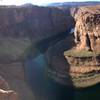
(42, 86)
(46, 89)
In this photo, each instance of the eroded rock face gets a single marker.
(34, 22)
(87, 32)
(8, 95)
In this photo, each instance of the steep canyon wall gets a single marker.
(21, 27)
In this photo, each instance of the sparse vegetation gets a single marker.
(83, 53)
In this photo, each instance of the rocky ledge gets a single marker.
(87, 58)
(84, 67)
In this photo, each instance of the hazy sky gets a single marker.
(37, 2)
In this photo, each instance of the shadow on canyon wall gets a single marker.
(50, 56)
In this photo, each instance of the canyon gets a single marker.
(31, 36)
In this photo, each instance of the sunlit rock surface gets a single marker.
(87, 32)
(84, 58)
(10, 95)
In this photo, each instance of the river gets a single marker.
(46, 89)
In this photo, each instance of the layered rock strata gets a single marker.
(84, 68)
(8, 95)
(84, 59)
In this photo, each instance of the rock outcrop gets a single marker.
(84, 59)
(14, 74)
(20, 28)
(5, 92)
(87, 32)
(84, 67)
(8, 95)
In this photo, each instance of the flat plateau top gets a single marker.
(91, 9)
(74, 53)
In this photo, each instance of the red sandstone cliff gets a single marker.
(35, 22)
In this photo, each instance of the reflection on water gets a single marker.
(91, 93)
(47, 89)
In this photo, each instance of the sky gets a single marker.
(36, 2)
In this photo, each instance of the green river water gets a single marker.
(47, 89)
